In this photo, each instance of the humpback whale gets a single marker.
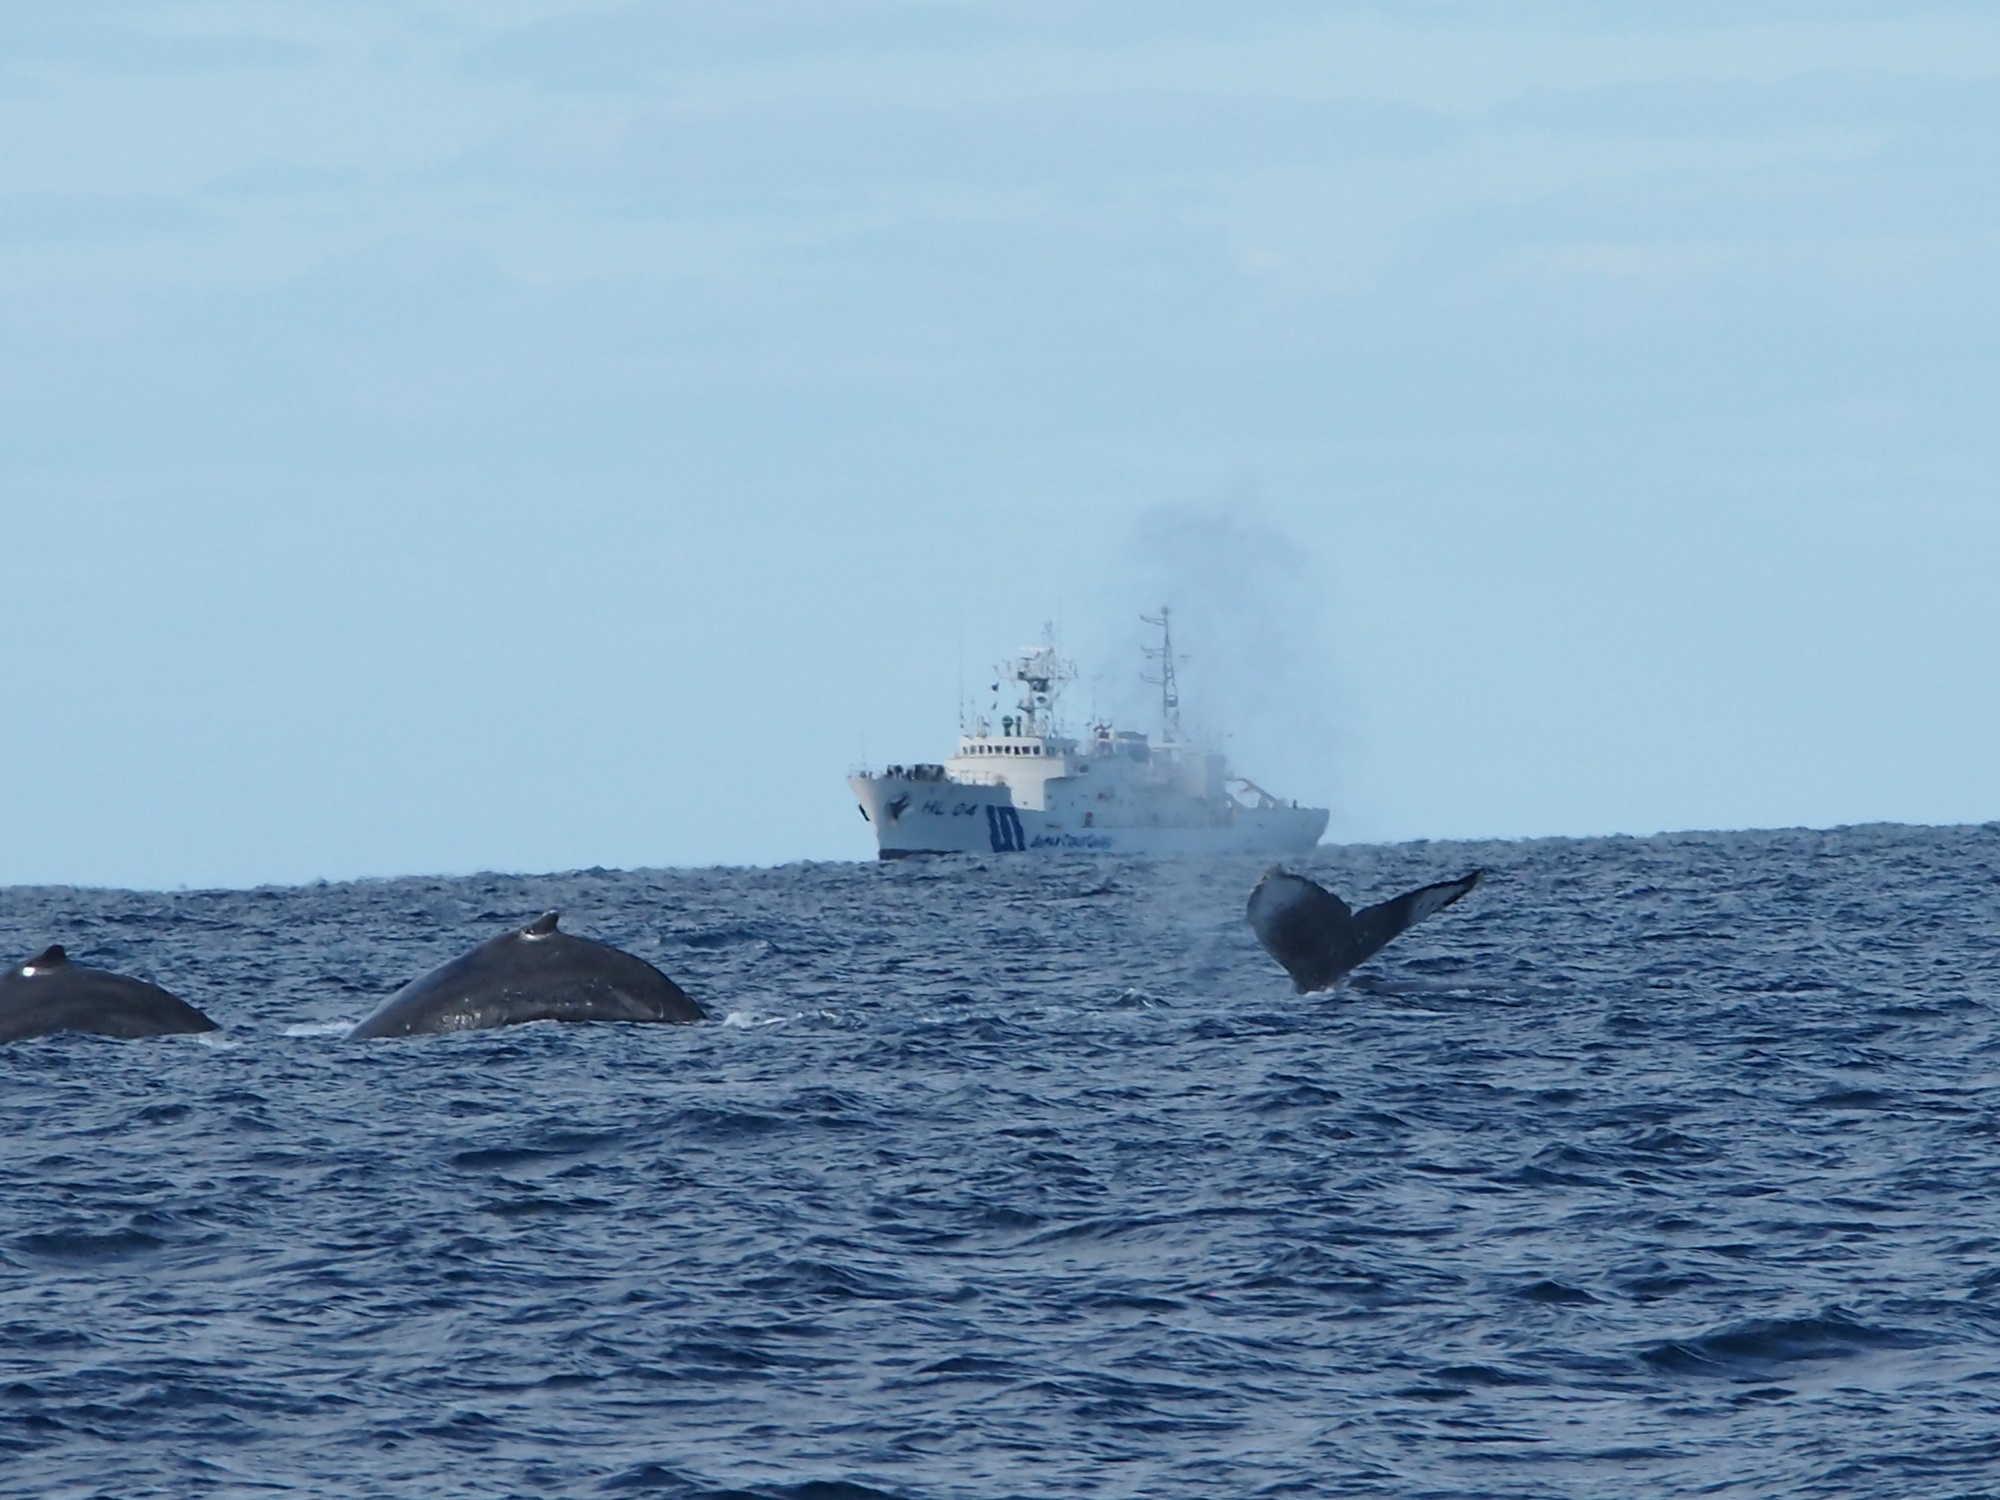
(1311, 931)
(48, 993)
(534, 973)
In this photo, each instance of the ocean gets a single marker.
(1655, 1166)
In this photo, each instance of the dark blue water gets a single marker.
(1662, 1166)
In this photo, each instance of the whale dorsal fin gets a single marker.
(543, 926)
(49, 958)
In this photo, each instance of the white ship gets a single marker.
(1031, 787)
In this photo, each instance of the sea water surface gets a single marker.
(1655, 1166)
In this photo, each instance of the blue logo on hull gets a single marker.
(1003, 827)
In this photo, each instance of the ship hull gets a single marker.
(947, 817)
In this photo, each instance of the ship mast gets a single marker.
(1041, 673)
(1170, 693)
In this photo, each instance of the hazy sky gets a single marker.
(528, 435)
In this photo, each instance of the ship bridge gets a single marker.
(1029, 750)
(1023, 763)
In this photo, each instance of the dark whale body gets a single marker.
(48, 993)
(1309, 930)
(532, 974)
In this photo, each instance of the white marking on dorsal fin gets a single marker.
(51, 957)
(543, 926)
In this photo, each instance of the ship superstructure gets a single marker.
(1030, 786)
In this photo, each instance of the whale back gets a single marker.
(49, 994)
(534, 973)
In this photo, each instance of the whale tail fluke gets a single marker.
(1318, 939)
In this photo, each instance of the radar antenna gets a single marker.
(1170, 693)
(1041, 671)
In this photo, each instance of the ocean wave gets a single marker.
(1658, 1166)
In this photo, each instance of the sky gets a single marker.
(530, 435)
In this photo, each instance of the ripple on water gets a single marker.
(1661, 1166)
